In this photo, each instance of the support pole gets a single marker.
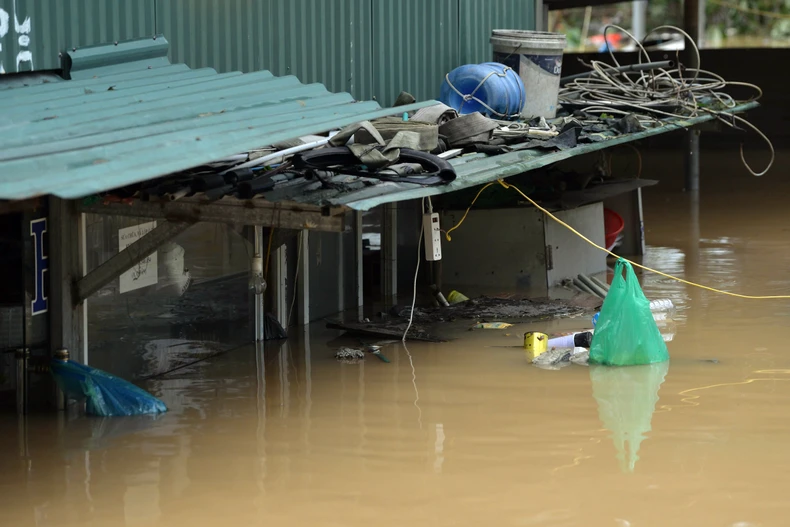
(258, 284)
(341, 272)
(66, 228)
(691, 23)
(541, 16)
(641, 244)
(639, 18)
(692, 160)
(280, 284)
(67, 315)
(389, 253)
(359, 264)
(304, 279)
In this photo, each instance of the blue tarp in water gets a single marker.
(106, 395)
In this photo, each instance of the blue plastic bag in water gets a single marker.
(626, 333)
(106, 395)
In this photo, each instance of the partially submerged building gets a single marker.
(92, 106)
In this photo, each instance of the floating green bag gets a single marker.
(626, 334)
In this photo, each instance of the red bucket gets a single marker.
(613, 225)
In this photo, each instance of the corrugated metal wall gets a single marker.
(479, 17)
(371, 48)
(33, 32)
(325, 41)
(415, 42)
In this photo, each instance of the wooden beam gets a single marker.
(126, 259)
(66, 245)
(232, 211)
(11, 207)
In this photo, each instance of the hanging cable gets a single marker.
(416, 275)
(677, 92)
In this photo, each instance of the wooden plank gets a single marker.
(11, 207)
(236, 212)
(379, 331)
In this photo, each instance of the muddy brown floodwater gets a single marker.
(463, 433)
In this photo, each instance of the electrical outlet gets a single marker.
(433, 237)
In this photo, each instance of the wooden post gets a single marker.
(67, 317)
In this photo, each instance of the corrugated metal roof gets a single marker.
(128, 115)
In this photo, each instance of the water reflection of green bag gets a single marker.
(626, 333)
(626, 399)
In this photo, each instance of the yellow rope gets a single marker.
(447, 234)
(604, 249)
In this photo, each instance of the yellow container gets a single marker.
(535, 343)
(456, 298)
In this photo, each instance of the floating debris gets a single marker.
(376, 350)
(350, 355)
(553, 359)
(492, 325)
(384, 329)
(557, 358)
(582, 358)
(486, 308)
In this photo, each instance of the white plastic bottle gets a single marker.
(662, 309)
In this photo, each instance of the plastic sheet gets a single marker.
(272, 329)
(626, 334)
(105, 394)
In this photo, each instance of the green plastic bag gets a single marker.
(626, 334)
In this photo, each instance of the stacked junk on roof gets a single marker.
(491, 109)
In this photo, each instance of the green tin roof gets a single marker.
(128, 115)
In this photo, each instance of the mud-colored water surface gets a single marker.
(461, 433)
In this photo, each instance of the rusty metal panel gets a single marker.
(34, 32)
(317, 40)
(415, 43)
(479, 17)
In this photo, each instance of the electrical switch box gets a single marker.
(433, 237)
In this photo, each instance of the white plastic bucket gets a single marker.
(537, 57)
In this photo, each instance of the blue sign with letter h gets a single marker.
(37, 230)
